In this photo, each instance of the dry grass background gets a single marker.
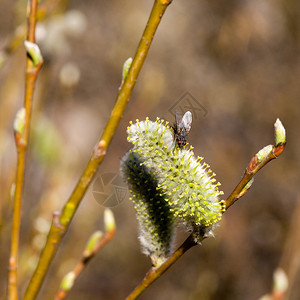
(239, 59)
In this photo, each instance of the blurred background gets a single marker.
(234, 64)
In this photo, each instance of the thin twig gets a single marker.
(95, 243)
(251, 170)
(17, 38)
(61, 221)
(254, 166)
(21, 144)
(155, 273)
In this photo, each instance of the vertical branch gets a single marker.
(21, 138)
(61, 220)
(14, 42)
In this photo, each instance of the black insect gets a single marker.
(182, 128)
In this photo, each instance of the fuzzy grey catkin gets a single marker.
(186, 185)
(156, 221)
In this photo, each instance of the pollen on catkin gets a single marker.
(188, 185)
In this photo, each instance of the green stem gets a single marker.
(31, 75)
(62, 220)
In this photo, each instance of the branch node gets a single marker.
(278, 149)
(56, 221)
(252, 164)
(100, 149)
(12, 264)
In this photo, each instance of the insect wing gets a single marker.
(186, 121)
(178, 122)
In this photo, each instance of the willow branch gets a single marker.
(15, 41)
(95, 243)
(257, 162)
(61, 220)
(21, 139)
(85, 259)
(253, 167)
(155, 273)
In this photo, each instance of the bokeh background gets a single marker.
(238, 58)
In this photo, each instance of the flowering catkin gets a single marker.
(186, 185)
(156, 221)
